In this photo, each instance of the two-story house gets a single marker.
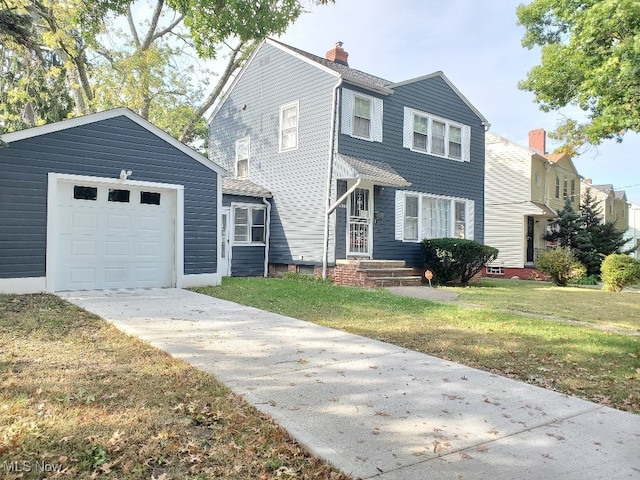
(356, 167)
(613, 203)
(524, 189)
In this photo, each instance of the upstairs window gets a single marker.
(557, 186)
(426, 133)
(361, 116)
(289, 126)
(242, 157)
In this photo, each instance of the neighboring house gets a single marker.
(106, 201)
(613, 203)
(524, 190)
(358, 168)
(633, 233)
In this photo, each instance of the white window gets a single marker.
(249, 225)
(426, 133)
(492, 270)
(420, 216)
(361, 116)
(242, 157)
(289, 126)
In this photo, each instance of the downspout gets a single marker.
(267, 234)
(332, 141)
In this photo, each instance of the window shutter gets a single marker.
(407, 132)
(347, 112)
(470, 220)
(466, 143)
(377, 119)
(399, 215)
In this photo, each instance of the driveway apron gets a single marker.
(376, 410)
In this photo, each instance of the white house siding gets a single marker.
(507, 195)
(296, 178)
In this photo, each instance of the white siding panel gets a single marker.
(507, 195)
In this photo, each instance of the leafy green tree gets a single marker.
(145, 68)
(618, 271)
(589, 59)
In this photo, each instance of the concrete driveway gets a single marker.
(376, 410)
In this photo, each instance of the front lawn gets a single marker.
(593, 364)
(585, 304)
(79, 399)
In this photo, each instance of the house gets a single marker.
(633, 233)
(524, 189)
(613, 203)
(359, 169)
(106, 201)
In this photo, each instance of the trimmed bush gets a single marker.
(455, 259)
(561, 265)
(618, 271)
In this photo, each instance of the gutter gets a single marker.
(267, 235)
(332, 142)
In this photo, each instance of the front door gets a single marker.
(359, 233)
(225, 250)
(530, 232)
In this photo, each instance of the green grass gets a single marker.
(579, 360)
(585, 304)
(84, 400)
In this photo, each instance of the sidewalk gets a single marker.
(376, 410)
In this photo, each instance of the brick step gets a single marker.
(412, 281)
(387, 272)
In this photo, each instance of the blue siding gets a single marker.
(297, 178)
(427, 174)
(98, 149)
(246, 260)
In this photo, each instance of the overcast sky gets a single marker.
(477, 46)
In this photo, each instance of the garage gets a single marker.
(113, 236)
(106, 201)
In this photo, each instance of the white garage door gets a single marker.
(113, 236)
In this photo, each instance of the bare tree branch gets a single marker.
(232, 65)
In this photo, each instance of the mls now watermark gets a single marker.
(39, 466)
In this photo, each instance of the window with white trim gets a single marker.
(420, 216)
(426, 133)
(249, 225)
(289, 115)
(361, 116)
(242, 157)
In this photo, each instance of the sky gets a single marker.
(477, 44)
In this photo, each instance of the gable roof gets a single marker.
(105, 115)
(350, 75)
(440, 74)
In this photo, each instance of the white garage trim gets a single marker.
(53, 222)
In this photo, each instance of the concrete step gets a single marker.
(410, 281)
(387, 272)
(369, 264)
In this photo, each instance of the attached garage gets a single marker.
(103, 202)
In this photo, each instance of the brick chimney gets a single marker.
(538, 140)
(338, 55)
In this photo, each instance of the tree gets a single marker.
(145, 69)
(568, 227)
(590, 59)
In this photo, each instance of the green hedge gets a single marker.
(455, 259)
(618, 271)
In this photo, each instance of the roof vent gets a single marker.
(338, 55)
